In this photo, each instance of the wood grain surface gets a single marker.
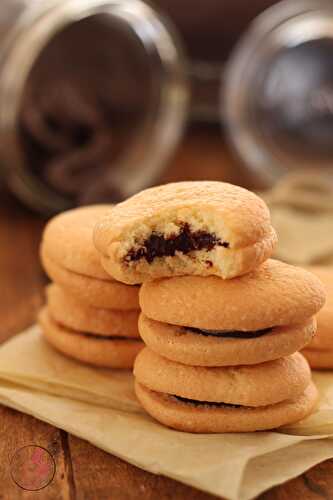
(84, 472)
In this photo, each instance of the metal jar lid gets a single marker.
(142, 160)
(278, 93)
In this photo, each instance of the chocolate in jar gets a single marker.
(84, 100)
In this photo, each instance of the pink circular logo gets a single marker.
(32, 468)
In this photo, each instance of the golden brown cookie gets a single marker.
(319, 359)
(199, 417)
(256, 385)
(275, 294)
(324, 337)
(95, 292)
(211, 348)
(70, 259)
(68, 240)
(108, 352)
(185, 228)
(70, 312)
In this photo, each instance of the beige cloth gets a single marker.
(301, 206)
(100, 406)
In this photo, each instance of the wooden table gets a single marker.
(83, 471)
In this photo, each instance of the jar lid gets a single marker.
(153, 139)
(278, 93)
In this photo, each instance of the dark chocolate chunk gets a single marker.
(228, 334)
(194, 402)
(185, 241)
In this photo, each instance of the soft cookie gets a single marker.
(319, 352)
(67, 240)
(319, 359)
(243, 399)
(273, 295)
(196, 228)
(67, 310)
(71, 260)
(192, 346)
(97, 350)
(207, 321)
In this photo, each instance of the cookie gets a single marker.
(70, 312)
(324, 337)
(275, 294)
(70, 259)
(320, 359)
(186, 228)
(68, 240)
(97, 350)
(257, 385)
(191, 416)
(211, 348)
(92, 291)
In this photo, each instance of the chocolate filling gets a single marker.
(96, 336)
(185, 241)
(228, 334)
(194, 402)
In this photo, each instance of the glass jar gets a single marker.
(125, 63)
(277, 99)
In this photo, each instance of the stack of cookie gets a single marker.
(220, 353)
(229, 361)
(88, 316)
(319, 352)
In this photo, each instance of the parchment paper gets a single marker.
(91, 404)
(301, 206)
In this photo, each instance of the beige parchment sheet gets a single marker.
(301, 206)
(100, 406)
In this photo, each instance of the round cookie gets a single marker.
(324, 336)
(256, 385)
(203, 418)
(202, 349)
(68, 240)
(73, 314)
(95, 350)
(95, 292)
(185, 228)
(70, 259)
(275, 294)
(320, 359)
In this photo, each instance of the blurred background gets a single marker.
(98, 99)
(102, 98)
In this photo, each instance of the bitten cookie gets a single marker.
(319, 352)
(71, 260)
(97, 350)
(192, 346)
(196, 228)
(243, 399)
(72, 313)
(275, 294)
